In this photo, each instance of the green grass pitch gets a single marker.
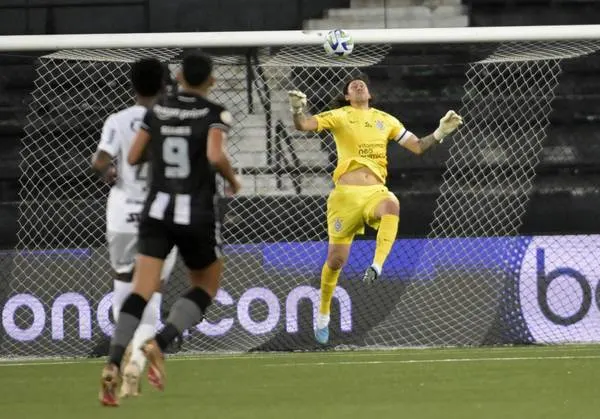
(526, 382)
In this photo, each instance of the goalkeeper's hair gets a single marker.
(340, 101)
(148, 77)
(197, 68)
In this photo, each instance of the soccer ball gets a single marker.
(338, 43)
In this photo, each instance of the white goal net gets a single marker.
(470, 280)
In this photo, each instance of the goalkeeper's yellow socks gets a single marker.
(329, 279)
(386, 235)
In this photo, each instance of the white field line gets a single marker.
(354, 354)
(366, 352)
(435, 361)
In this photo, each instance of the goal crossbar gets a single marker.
(298, 38)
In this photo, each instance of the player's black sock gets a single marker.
(187, 312)
(129, 319)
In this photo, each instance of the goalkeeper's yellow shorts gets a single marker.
(349, 207)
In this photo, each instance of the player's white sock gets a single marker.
(377, 268)
(322, 320)
(146, 330)
(122, 290)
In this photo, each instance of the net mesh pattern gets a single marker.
(456, 290)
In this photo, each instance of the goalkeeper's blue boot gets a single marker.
(370, 276)
(322, 335)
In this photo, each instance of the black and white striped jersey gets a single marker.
(182, 184)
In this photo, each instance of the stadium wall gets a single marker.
(18, 17)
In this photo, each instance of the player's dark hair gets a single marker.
(147, 77)
(341, 101)
(197, 67)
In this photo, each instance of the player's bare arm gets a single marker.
(137, 152)
(102, 163)
(302, 121)
(218, 157)
(448, 124)
(418, 145)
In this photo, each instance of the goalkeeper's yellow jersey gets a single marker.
(361, 137)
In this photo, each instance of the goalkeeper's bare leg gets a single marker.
(337, 256)
(387, 214)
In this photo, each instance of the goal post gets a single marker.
(471, 280)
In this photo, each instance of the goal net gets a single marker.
(471, 279)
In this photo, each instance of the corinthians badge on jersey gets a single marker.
(337, 225)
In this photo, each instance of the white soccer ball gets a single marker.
(338, 43)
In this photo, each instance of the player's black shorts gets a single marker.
(198, 244)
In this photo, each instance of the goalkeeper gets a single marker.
(361, 134)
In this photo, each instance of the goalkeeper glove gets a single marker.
(297, 101)
(448, 124)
